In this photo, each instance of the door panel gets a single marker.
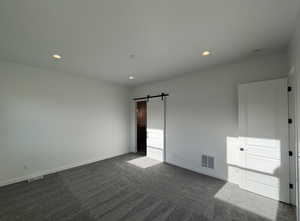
(157, 138)
(155, 129)
(263, 137)
(262, 164)
(267, 180)
(264, 152)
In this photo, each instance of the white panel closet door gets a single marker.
(263, 136)
(156, 129)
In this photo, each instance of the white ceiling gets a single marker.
(96, 37)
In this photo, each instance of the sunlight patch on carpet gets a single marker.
(144, 162)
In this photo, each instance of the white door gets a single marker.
(156, 128)
(263, 137)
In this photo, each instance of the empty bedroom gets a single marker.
(139, 110)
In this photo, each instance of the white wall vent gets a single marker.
(204, 161)
(208, 161)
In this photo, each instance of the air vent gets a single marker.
(208, 161)
(204, 161)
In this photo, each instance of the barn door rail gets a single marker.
(148, 97)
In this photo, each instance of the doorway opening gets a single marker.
(150, 126)
(141, 120)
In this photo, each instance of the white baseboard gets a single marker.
(197, 171)
(56, 170)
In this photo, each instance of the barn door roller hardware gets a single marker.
(148, 97)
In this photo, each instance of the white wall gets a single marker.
(294, 53)
(51, 121)
(202, 110)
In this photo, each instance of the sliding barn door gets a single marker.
(263, 136)
(156, 129)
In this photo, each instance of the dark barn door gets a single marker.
(141, 114)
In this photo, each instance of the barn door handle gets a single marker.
(241, 149)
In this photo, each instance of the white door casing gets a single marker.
(156, 129)
(263, 138)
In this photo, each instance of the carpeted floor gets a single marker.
(125, 188)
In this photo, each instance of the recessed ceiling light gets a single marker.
(57, 56)
(131, 78)
(206, 53)
(131, 56)
(257, 50)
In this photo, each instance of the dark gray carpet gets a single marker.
(116, 190)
